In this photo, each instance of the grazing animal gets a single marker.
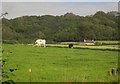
(70, 45)
(40, 42)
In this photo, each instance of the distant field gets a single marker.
(109, 42)
(104, 42)
(57, 64)
(102, 47)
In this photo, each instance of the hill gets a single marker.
(67, 27)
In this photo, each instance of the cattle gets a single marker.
(70, 45)
(40, 43)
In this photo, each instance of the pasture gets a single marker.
(55, 64)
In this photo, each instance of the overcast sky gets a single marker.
(17, 9)
(59, 0)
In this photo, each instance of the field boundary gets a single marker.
(87, 47)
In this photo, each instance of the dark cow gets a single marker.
(70, 46)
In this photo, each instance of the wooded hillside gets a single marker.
(68, 27)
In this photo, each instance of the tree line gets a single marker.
(67, 27)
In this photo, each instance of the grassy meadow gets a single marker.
(58, 64)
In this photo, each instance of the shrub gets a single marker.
(10, 41)
(98, 43)
(108, 43)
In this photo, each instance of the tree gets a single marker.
(4, 14)
(67, 27)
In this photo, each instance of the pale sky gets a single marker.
(60, 0)
(17, 8)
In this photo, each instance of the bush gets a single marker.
(10, 41)
(98, 43)
(105, 43)
(8, 82)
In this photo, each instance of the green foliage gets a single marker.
(10, 42)
(98, 43)
(68, 27)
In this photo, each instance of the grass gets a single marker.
(105, 47)
(54, 64)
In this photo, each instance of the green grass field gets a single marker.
(55, 64)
